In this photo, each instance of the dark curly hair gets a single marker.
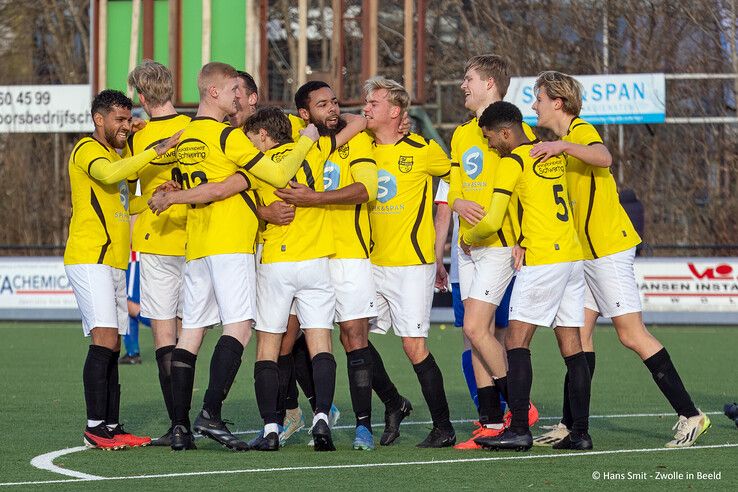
(105, 100)
(501, 114)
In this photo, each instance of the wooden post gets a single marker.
(102, 46)
(173, 55)
(302, 42)
(148, 29)
(133, 46)
(420, 65)
(251, 63)
(373, 36)
(408, 49)
(206, 29)
(337, 48)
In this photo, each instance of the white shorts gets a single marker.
(355, 293)
(549, 295)
(485, 274)
(611, 286)
(219, 288)
(404, 299)
(306, 282)
(162, 286)
(100, 291)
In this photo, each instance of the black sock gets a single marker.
(112, 412)
(286, 365)
(580, 384)
(304, 370)
(223, 369)
(566, 411)
(183, 379)
(290, 400)
(431, 383)
(501, 386)
(164, 361)
(266, 387)
(95, 381)
(490, 411)
(668, 380)
(359, 364)
(519, 381)
(324, 376)
(382, 384)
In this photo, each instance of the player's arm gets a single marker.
(437, 162)
(107, 172)
(441, 223)
(595, 154)
(364, 189)
(277, 213)
(204, 193)
(355, 124)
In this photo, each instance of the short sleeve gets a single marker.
(583, 133)
(438, 163)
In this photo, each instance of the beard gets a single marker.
(112, 138)
(324, 131)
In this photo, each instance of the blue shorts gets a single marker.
(502, 315)
(458, 305)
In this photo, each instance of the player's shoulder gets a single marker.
(88, 145)
(580, 124)
(415, 140)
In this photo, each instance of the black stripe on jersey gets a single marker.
(308, 175)
(590, 205)
(411, 143)
(568, 131)
(517, 159)
(82, 144)
(363, 159)
(455, 164)
(333, 144)
(202, 118)
(502, 238)
(224, 136)
(162, 118)
(578, 124)
(595, 142)
(466, 123)
(253, 161)
(129, 141)
(416, 226)
(357, 225)
(89, 166)
(98, 210)
(503, 191)
(520, 222)
(248, 200)
(445, 174)
(243, 175)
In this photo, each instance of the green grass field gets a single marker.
(42, 411)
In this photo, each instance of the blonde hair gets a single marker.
(209, 74)
(154, 81)
(396, 93)
(491, 67)
(561, 86)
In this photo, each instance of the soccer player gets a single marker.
(159, 239)
(133, 295)
(403, 258)
(219, 275)
(485, 274)
(609, 241)
(549, 290)
(350, 179)
(96, 257)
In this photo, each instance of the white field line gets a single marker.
(376, 465)
(46, 462)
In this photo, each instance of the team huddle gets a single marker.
(257, 220)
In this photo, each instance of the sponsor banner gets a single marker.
(607, 99)
(35, 284)
(688, 284)
(45, 109)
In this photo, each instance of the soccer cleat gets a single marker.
(580, 441)
(322, 436)
(532, 416)
(333, 416)
(480, 431)
(556, 434)
(438, 438)
(182, 439)
(731, 411)
(165, 440)
(130, 360)
(129, 439)
(100, 437)
(507, 440)
(270, 442)
(293, 422)
(688, 430)
(216, 429)
(363, 439)
(392, 421)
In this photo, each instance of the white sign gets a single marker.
(607, 99)
(45, 109)
(688, 284)
(35, 284)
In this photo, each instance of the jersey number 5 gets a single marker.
(563, 217)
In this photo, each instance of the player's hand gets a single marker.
(277, 213)
(137, 124)
(405, 124)
(470, 211)
(159, 201)
(311, 132)
(167, 144)
(441, 276)
(548, 149)
(466, 248)
(170, 185)
(299, 195)
(351, 118)
(518, 254)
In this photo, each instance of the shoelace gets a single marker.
(681, 428)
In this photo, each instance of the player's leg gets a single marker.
(289, 415)
(133, 294)
(303, 366)
(266, 388)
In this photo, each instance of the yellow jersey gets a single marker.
(310, 234)
(99, 231)
(402, 215)
(601, 222)
(547, 227)
(163, 234)
(351, 230)
(473, 168)
(297, 125)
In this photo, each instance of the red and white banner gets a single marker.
(34, 283)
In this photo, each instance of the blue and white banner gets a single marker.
(607, 99)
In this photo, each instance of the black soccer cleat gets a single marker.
(392, 421)
(731, 411)
(322, 436)
(165, 440)
(182, 439)
(507, 440)
(270, 442)
(438, 438)
(579, 441)
(216, 429)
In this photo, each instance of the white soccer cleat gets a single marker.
(553, 436)
(293, 422)
(688, 430)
